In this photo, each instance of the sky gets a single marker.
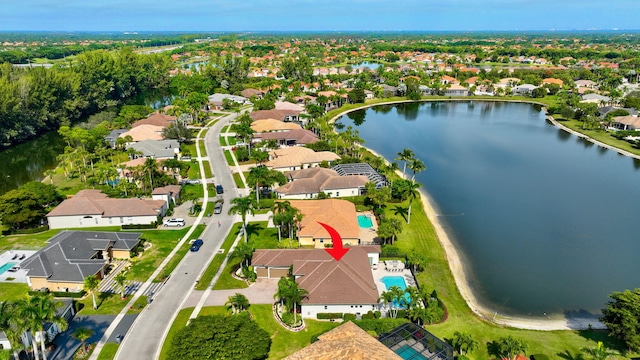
(317, 15)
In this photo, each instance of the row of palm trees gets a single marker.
(30, 315)
(290, 295)
(421, 306)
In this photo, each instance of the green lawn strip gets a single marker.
(227, 155)
(238, 180)
(208, 173)
(138, 306)
(226, 281)
(178, 323)
(285, 342)
(10, 292)
(26, 242)
(191, 147)
(194, 170)
(202, 146)
(162, 242)
(232, 140)
(420, 237)
(173, 263)
(224, 129)
(196, 190)
(109, 351)
(600, 135)
(108, 303)
(215, 264)
(223, 141)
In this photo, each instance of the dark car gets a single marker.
(195, 245)
(219, 189)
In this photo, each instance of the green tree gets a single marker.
(238, 303)
(463, 343)
(417, 166)
(357, 95)
(510, 347)
(389, 228)
(600, 352)
(82, 334)
(405, 156)
(36, 311)
(244, 252)
(621, 317)
(91, 284)
(121, 281)
(221, 337)
(177, 131)
(28, 205)
(242, 206)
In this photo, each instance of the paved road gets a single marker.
(144, 340)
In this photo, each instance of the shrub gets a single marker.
(63, 294)
(462, 357)
(539, 357)
(326, 316)
(391, 251)
(152, 225)
(380, 326)
(402, 314)
(348, 317)
(32, 231)
(377, 314)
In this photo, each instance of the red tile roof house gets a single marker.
(92, 208)
(282, 115)
(344, 286)
(307, 183)
(296, 137)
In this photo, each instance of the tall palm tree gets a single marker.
(417, 166)
(10, 325)
(296, 294)
(149, 168)
(278, 209)
(242, 206)
(243, 251)
(412, 193)
(121, 281)
(91, 284)
(405, 156)
(257, 175)
(38, 310)
(83, 334)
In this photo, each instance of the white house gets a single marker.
(92, 208)
(344, 286)
(308, 183)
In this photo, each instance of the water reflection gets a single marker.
(358, 116)
(563, 135)
(409, 110)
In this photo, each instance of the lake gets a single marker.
(370, 65)
(545, 221)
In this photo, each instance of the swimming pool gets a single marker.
(365, 222)
(407, 352)
(398, 281)
(6, 267)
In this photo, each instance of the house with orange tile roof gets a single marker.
(446, 79)
(346, 342)
(156, 119)
(282, 115)
(269, 125)
(552, 81)
(297, 157)
(296, 137)
(144, 132)
(338, 213)
(92, 208)
(345, 286)
(308, 183)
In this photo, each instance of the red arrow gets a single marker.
(337, 251)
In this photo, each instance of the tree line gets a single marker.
(36, 100)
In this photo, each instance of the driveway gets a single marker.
(260, 292)
(67, 344)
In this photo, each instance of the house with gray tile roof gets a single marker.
(308, 183)
(157, 149)
(72, 256)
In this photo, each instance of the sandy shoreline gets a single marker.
(555, 322)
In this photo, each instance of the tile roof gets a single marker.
(285, 105)
(158, 149)
(317, 179)
(266, 125)
(273, 114)
(70, 256)
(144, 132)
(327, 281)
(345, 342)
(299, 136)
(93, 202)
(156, 119)
(339, 214)
(296, 156)
(169, 189)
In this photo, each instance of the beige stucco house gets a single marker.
(337, 213)
(297, 157)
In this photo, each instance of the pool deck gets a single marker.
(369, 235)
(19, 276)
(383, 270)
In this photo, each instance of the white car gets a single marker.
(174, 222)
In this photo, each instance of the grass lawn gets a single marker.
(26, 242)
(420, 237)
(12, 291)
(109, 351)
(238, 180)
(226, 281)
(202, 146)
(196, 190)
(173, 263)
(227, 155)
(224, 129)
(223, 141)
(599, 135)
(208, 173)
(232, 140)
(191, 147)
(107, 304)
(215, 264)
(194, 170)
(162, 242)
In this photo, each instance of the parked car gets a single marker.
(193, 181)
(174, 222)
(195, 246)
(218, 208)
(219, 189)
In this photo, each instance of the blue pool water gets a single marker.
(398, 281)
(407, 352)
(365, 222)
(6, 267)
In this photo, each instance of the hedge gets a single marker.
(380, 326)
(325, 316)
(348, 317)
(59, 294)
(26, 231)
(153, 225)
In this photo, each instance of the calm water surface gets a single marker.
(546, 222)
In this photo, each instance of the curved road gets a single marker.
(144, 339)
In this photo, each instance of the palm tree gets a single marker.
(149, 167)
(463, 343)
(91, 284)
(244, 251)
(83, 334)
(238, 302)
(511, 347)
(257, 175)
(279, 208)
(38, 310)
(121, 281)
(417, 166)
(242, 206)
(411, 192)
(10, 325)
(405, 156)
(600, 352)
(296, 295)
